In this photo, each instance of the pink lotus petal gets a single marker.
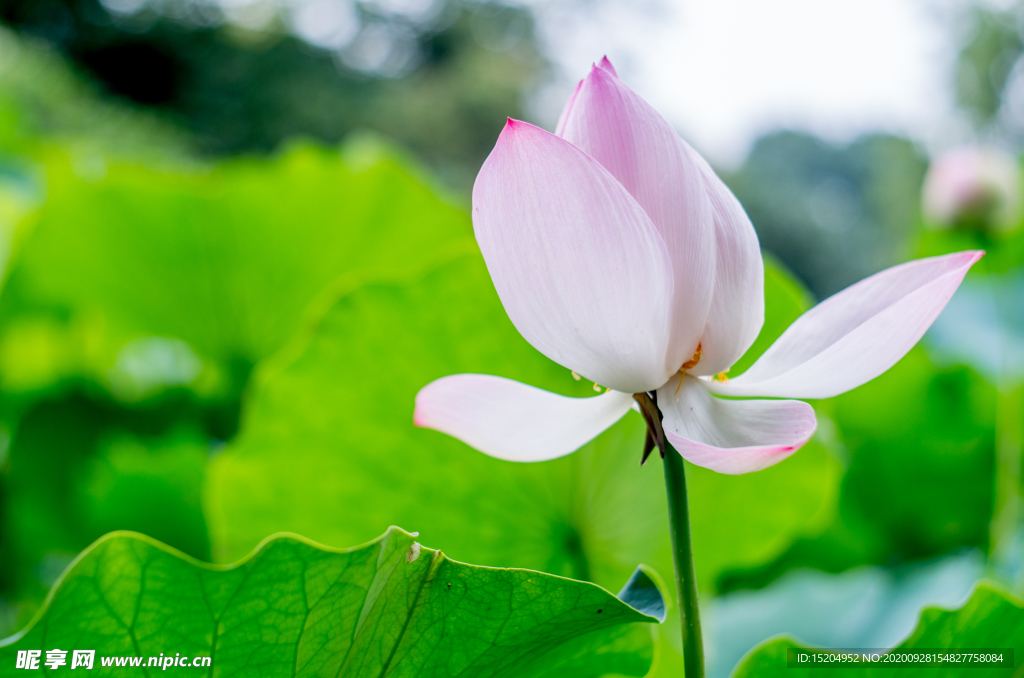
(855, 335)
(605, 64)
(568, 107)
(513, 421)
(620, 130)
(580, 268)
(737, 307)
(732, 436)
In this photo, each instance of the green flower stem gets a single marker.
(682, 555)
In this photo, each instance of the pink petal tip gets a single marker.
(606, 65)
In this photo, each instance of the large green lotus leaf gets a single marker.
(328, 431)
(989, 619)
(294, 608)
(226, 259)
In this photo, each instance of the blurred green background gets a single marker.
(231, 256)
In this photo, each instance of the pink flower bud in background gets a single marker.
(973, 186)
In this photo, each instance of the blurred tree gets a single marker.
(832, 214)
(440, 80)
(43, 99)
(992, 47)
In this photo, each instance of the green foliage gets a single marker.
(988, 620)
(226, 260)
(137, 304)
(293, 608)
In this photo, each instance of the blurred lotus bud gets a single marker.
(973, 187)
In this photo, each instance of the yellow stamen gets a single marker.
(575, 376)
(692, 362)
(688, 365)
(598, 387)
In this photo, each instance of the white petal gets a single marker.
(732, 436)
(620, 130)
(737, 307)
(854, 335)
(579, 267)
(513, 421)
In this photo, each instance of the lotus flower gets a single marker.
(973, 185)
(619, 254)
